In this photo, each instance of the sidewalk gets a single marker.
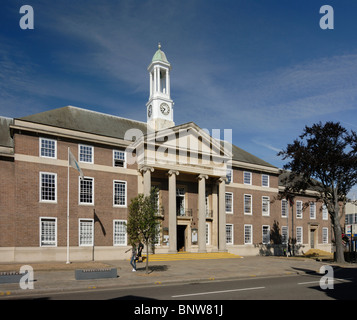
(60, 277)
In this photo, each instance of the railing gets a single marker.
(160, 212)
(209, 214)
(184, 212)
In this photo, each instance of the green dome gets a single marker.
(159, 55)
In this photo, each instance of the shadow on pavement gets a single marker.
(344, 282)
(157, 268)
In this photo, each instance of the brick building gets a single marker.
(213, 196)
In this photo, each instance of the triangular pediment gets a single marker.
(184, 147)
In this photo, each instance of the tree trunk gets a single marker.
(147, 256)
(340, 257)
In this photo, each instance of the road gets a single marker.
(290, 287)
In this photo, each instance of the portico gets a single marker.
(191, 210)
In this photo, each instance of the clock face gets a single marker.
(149, 111)
(165, 109)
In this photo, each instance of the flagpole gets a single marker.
(68, 262)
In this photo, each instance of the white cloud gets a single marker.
(266, 145)
(278, 98)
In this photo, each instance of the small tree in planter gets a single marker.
(142, 222)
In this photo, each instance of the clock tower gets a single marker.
(159, 108)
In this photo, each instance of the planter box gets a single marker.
(11, 277)
(95, 274)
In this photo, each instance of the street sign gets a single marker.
(351, 230)
(348, 229)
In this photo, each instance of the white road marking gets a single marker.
(215, 292)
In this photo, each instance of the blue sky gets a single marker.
(263, 68)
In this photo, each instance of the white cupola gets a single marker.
(160, 106)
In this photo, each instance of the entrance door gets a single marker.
(312, 238)
(181, 235)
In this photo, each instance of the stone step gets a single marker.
(182, 256)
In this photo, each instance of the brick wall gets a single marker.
(29, 209)
(7, 202)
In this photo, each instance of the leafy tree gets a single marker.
(324, 158)
(142, 222)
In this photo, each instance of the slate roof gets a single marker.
(86, 121)
(244, 156)
(111, 126)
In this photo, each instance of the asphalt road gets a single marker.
(292, 287)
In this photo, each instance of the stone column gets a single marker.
(158, 80)
(172, 211)
(155, 81)
(202, 212)
(167, 82)
(146, 172)
(222, 214)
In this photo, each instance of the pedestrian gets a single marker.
(289, 249)
(140, 250)
(133, 257)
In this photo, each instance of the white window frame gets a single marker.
(207, 203)
(126, 192)
(250, 177)
(299, 216)
(251, 204)
(208, 233)
(267, 180)
(40, 185)
(124, 160)
(117, 235)
(324, 212)
(181, 192)
(230, 226)
(52, 243)
(284, 208)
(79, 153)
(91, 221)
(266, 237)
(40, 148)
(284, 234)
(158, 212)
(299, 230)
(324, 235)
(312, 206)
(157, 240)
(250, 228)
(231, 194)
(266, 202)
(79, 192)
(229, 175)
